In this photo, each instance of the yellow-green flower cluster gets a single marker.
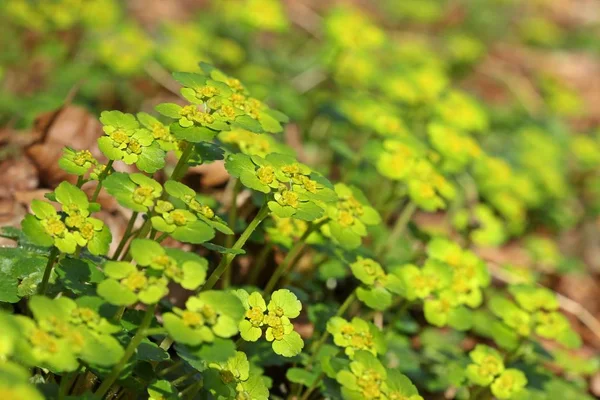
(251, 143)
(70, 229)
(487, 369)
(349, 217)
(367, 378)
(273, 318)
(62, 332)
(406, 161)
(356, 335)
(148, 280)
(450, 282)
(296, 190)
(535, 311)
(206, 316)
(379, 286)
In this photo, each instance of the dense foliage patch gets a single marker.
(315, 273)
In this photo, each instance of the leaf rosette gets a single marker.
(206, 316)
(70, 229)
(273, 320)
(125, 140)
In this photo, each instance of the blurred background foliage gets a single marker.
(482, 113)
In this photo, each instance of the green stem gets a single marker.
(54, 252)
(190, 391)
(259, 263)
(183, 378)
(166, 343)
(170, 368)
(140, 334)
(80, 181)
(119, 314)
(182, 165)
(229, 240)
(156, 331)
(228, 257)
(317, 346)
(398, 228)
(478, 393)
(290, 259)
(101, 178)
(514, 355)
(312, 387)
(66, 381)
(141, 233)
(126, 235)
(161, 237)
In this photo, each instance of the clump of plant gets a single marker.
(290, 285)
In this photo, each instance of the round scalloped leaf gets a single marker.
(35, 232)
(153, 293)
(100, 242)
(194, 232)
(181, 333)
(151, 159)
(178, 189)
(376, 298)
(114, 293)
(287, 301)
(249, 332)
(170, 110)
(194, 275)
(162, 390)
(192, 134)
(308, 211)
(248, 123)
(102, 350)
(144, 251)
(67, 193)
(42, 209)
(289, 346)
(118, 118)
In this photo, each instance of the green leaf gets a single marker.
(460, 318)
(223, 250)
(192, 134)
(194, 275)
(17, 264)
(145, 250)
(182, 333)
(151, 159)
(114, 293)
(376, 298)
(100, 243)
(102, 350)
(42, 209)
(218, 351)
(248, 123)
(302, 376)
(150, 351)
(195, 232)
(35, 232)
(308, 211)
(289, 346)
(170, 110)
(190, 79)
(162, 390)
(67, 193)
(79, 276)
(178, 190)
(269, 124)
(286, 301)
(117, 118)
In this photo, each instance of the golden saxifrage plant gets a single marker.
(304, 280)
